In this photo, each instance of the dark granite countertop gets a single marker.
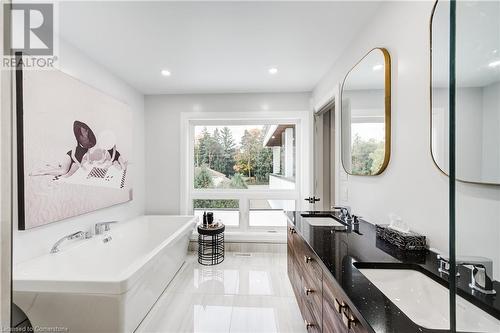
(343, 250)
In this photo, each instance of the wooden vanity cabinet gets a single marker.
(332, 308)
(318, 295)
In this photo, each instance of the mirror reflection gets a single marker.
(365, 115)
(477, 90)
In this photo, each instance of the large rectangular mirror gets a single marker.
(477, 89)
(366, 115)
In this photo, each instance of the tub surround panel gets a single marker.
(339, 253)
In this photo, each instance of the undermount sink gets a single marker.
(426, 302)
(323, 222)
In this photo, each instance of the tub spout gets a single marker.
(76, 235)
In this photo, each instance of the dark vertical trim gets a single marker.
(20, 141)
(452, 169)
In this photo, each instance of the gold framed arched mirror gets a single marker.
(366, 115)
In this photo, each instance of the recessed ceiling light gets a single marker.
(273, 137)
(378, 67)
(165, 72)
(494, 64)
(273, 70)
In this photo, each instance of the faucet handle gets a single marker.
(444, 265)
(480, 279)
(106, 225)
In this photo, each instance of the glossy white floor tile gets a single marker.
(243, 294)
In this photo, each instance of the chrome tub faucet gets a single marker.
(76, 235)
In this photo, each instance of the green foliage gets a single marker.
(264, 164)
(208, 149)
(378, 158)
(203, 179)
(238, 182)
(253, 159)
(218, 152)
(228, 151)
(367, 156)
(215, 204)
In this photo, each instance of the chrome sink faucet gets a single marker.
(481, 272)
(345, 212)
(76, 235)
(102, 227)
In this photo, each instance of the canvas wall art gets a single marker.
(74, 148)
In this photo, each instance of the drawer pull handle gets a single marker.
(339, 305)
(349, 320)
(307, 259)
(292, 230)
(308, 291)
(308, 324)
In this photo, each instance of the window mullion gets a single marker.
(244, 213)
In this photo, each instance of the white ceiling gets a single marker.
(215, 47)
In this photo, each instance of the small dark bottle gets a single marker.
(210, 218)
(205, 219)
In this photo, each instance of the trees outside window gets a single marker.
(367, 155)
(225, 160)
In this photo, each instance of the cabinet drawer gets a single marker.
(309, 262)
(332, 318)
(312, 290)
(293, 271)
(313, 303)
(312, 324)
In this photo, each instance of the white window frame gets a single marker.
(301, 120)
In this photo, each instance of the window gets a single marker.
(245, 170)
(244, 157)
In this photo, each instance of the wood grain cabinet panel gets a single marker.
(312, 297)
(317, 294)
(332, 318)
(358, 328)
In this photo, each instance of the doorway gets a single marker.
(324, 157)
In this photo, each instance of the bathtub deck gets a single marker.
(243, 294)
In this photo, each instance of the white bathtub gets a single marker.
(92, 286)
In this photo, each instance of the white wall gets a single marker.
(412, 186)
(37, 241)
(163, 135)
